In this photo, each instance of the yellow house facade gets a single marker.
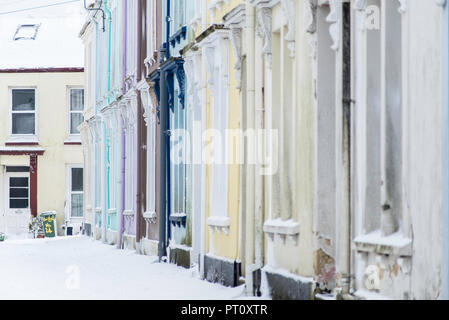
(213, 85)
(50, 151)
(251, 69)
(41, 103)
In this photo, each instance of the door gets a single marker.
(18, 212)
(76, 198)
(178, 212)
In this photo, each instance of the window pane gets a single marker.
(77, 179)
(77, 205)
(75, 120)
(23, 123)
(18, 203)
(18, 182)
(77, 99)
(23, 100)
(18, 193)
(17, 169)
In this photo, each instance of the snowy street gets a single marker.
(79, 268)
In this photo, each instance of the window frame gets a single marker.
(21, 136)
(28, 198)
(74, 136)
(70, 192)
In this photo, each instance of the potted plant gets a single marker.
(36, 227)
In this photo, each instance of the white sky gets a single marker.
(57, 43)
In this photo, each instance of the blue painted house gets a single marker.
(175, 119)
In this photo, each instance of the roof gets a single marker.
(56, 45)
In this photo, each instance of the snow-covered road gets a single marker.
(79, 268)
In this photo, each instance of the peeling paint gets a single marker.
(324, 267)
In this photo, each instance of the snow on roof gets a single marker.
(56, 43)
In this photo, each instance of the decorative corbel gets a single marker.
(123, 114)
(117, 117)
(310, 9)
(264, 20)
(210, 61)
(310, 12)
(181, 76)
(235, 21)
(236, 41)
(403, 6)
(132, 110)
(190, 77)
(98, 130)
(146, 102)
(108, 121)
(360, 5)
(289, 8)
(334, 19)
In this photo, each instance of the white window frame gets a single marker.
(151, 165)
(129, 168)
(24, 137)
(217, 57)
(70, 192)
(151, 28)
(131, 39)
(74, 136)
(369, 227)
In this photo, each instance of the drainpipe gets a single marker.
(344, 98)
(445, 152)
(107, 141)
(163, 167)
(122, 132)
(95, 145)
(96, 10)
(139, 203)
(167, 30)
(250, 171)
(163, 141)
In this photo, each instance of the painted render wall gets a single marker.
(445, 146)
(220, 243)
(52, 118)
(298, 259)
(423, 166)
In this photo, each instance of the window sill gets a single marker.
(74, 139)
(150, 217)
(128, 213)
(22, 140)
(219, 224)
(395, 244)
(178, 219)
(282, 229)
(112, 211)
